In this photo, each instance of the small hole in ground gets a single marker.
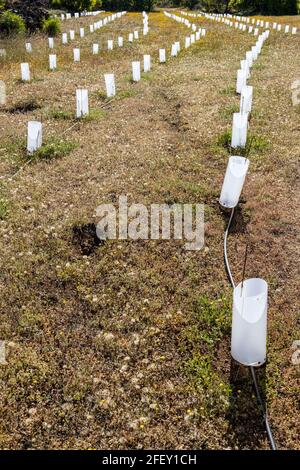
(24, 107)
(85, 237)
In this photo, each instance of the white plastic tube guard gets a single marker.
(249, 58)
(52, 61)
(249, 322)
(136, 71)
(255, 52)
(234, 181)
(239, 130)
(241, 80)
(246, 99)
(76, 53)
(34, 136)
(147, 63)
(174, 50)
(244, 66)
(82, 103)
(162, 55)
(25, 72)
(110, 84)
(2, 93)
(95, 49)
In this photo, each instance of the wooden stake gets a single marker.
(244, 268)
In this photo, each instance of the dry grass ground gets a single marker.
(129, 346)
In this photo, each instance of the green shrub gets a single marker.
(51, 26)
(10, 23)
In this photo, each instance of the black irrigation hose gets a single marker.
(252, 369)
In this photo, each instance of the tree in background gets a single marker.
(281, 7)
(117, 5)
(266, 7)
(32, 13)
(191, 4)
(128, 5)
(77, 5)
(51, 27)
(11, 23)
(219, 6)
(176, 3)
(144, 5)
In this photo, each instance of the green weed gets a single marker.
(60, 114)
(4, 208)
(211, 324)
(228, 111)
(216, 393)
(94, 115)
(255, 145)
(125, 94)
(54, 150)
(229, 90)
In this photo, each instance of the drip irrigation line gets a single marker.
(263, 409)
(225, 250)
(252, 369)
